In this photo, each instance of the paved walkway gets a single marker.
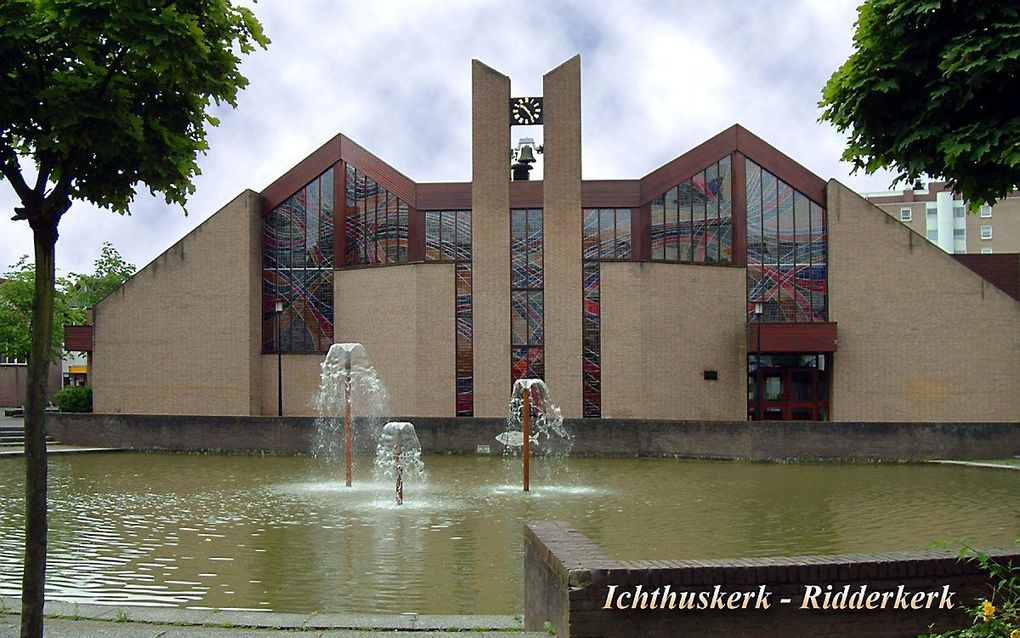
(9, 627)
(995, 464)
(52, 448)
(103, 621)
(56, 448)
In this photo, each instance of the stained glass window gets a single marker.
(606, 233)
(297, 269)
(786, 250)
(605, 236)
(465, 342)
(376, 223)
(671, 225)
(591, 340)
(527, 279)
(658, 227)
(448, 238)
(725, 200)
(693, 221)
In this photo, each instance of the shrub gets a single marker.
(75, 399)
(998, 615)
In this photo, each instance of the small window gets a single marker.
(932, 211)
(906, 215)
(986, 231)
(933, 235)
(986, 210)
(986, 251)
(959, 233)
(959, 211)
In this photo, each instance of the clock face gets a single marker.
(525, 110)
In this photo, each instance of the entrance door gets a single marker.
(793, 394)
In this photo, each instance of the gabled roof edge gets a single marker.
(337, 148)
(735, 139)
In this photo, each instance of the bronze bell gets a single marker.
(525, 158)
(526, 155)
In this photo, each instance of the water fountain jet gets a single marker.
(399, 454)
(542, 430)
(348, 378)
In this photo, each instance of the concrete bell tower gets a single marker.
(492, 197)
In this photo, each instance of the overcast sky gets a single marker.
(656, 78)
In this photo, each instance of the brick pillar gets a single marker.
(562, 221)
(490, 238)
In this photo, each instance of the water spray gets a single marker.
(526, 430)
(348, 436)
(398, 456)
(541, 433)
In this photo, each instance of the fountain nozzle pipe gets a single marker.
(399, 471)
(526, 426)
(347, 419)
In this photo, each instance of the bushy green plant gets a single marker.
(75, 399)
(998, 615)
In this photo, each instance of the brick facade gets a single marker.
(663, 326)
(181, 336)
(14, 383)
(490, 237)
(914, 335)
(403, 315)
(935, 342)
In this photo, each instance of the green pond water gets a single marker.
(284, 534)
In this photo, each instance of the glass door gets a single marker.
(793, 394)
(773, 395)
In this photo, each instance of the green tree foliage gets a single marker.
(931, 89)
(97, 97)
(106, 94)
(72, 296)
(110, 273)
(17, 293)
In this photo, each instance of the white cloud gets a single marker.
(657, 79)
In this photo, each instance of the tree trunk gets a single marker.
(34, 578)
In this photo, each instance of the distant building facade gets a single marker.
(14, 381)
(941, 216)
(632, 298)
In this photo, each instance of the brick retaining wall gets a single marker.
(596, 437)
(567, 580)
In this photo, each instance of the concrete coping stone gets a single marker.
(584, 564)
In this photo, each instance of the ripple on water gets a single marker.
(282, 533)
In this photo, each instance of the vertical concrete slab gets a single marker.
(921, 336)
(670, 323)
(413, 347)
(562, 231)
(301, 374)
(490, 202)
(255, 305)
(180, 336)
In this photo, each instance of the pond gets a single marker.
(284, 534)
